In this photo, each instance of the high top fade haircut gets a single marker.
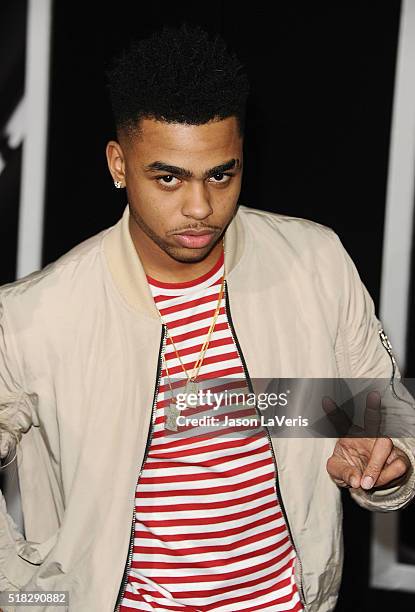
(177, 75)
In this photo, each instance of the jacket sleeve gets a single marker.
(16, 406)
(364, 351)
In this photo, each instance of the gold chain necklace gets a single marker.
(199, 361)
(171, 411)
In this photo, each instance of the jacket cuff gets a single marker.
(394, 498)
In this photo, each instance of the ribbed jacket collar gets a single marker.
(128, 273)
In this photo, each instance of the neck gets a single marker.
(160, 266)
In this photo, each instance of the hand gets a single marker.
(370, 462)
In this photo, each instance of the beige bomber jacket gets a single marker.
(80, 345)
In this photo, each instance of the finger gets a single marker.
(340, 470)
(373, 415)
(341, 483)
(379, 455)
(338, 417)
(394, 471)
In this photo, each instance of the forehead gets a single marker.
(179, 143)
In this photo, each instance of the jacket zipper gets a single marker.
(251, 389)
(146, 450)
(388, 347)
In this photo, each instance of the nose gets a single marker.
(196, 204)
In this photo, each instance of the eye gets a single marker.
(167, 180)
(221, 178)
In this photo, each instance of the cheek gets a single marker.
(138, 190)
(225, 200)
(144, 204)
(153, 213)
(159, 211)
(142, 198)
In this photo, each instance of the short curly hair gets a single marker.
(178, 75)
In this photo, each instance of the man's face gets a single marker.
(183, 183)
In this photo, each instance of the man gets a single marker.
(123, 507)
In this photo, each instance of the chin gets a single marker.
(189, 255)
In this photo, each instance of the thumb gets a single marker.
(343, 473)
(379, 455)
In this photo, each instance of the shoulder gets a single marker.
(276, 222)
(302, 238)
(74, 274)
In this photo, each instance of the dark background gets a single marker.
(316, 146)
(12, 74)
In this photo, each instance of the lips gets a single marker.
(195, 232)
(195, 239)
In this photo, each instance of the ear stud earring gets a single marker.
(118, 184)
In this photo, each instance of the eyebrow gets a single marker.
(183, 173)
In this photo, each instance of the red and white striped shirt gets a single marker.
(209, 532)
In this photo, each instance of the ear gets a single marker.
(115, 160)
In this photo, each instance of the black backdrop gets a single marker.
(12, 73)
(317, 140)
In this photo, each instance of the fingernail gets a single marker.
(354, 481)
(367, 482)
